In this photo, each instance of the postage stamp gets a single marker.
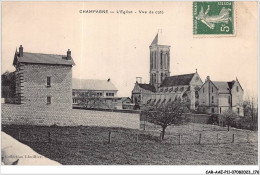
(213, 18)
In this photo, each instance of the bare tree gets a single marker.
(164, 115)
(251, 110)
(228, 117)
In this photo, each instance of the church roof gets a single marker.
(148, 87)
(177, 80)
(231, 83)
(159, 39)
(223, 87)
(88, 84)
(40, 58)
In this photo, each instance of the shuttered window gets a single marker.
(48, 81)
(48, 100)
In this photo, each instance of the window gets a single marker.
(155, 64)
(212, 110)
(153, 78)
(237, 89)
(99, 94)
(73, 93)
(161, 57)
(48, 81)
(74, 100)
(197, 94)
(238, 111)
(161, 77)
(166, 61)
(135, 99)
(48, 100)
(154, 60)
(110, 94)
(151, 60)
(220, 110)
(212, 99)
(212, 89)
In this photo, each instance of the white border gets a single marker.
(129, 169)
(171, 169)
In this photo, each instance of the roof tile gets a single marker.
(148, 87)
(223, 87)
(89, 84)
(177, 80)
(40, 58)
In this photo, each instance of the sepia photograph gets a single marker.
(130, 83)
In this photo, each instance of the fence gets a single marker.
(241, 123)
(72, 138)
(216, 138)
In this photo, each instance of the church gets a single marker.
(164, 88)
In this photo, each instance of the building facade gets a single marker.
(219, 96)
(124, 103)
(159, 60)
(94, 93)
(43, 80)
(164, 88)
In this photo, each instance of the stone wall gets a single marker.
(20, 114)
(35, 90)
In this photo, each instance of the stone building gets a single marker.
(164, 88)
(43, 80)
(219, 96)
(125, 103)
(94, 93)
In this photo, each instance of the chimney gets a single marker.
(68, 55)
(108, 80)
(21, 51)
(139, 79)
(208, 78)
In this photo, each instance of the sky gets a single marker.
(116, 46)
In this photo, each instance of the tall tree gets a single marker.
(251, 110)
(8, 84)
(168, 114)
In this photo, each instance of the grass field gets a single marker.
(89, 145)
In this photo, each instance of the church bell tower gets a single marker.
(159, 60)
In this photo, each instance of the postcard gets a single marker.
(130, 83)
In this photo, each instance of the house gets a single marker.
(142, 92)
(164, 88)
(43, 80)
(94, 93)
(124, 103)
(218, 96)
